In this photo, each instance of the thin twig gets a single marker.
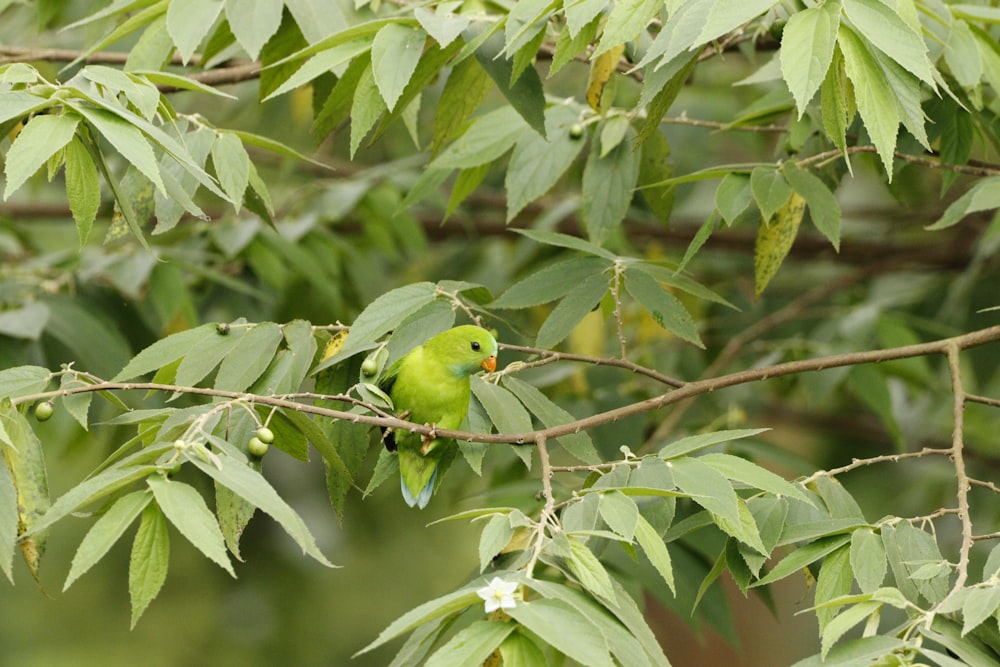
(551, 356)
(885, 458)
(548, 513)
(958, 459)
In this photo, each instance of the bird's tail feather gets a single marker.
(423, 498)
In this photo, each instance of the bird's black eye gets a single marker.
(475, 346)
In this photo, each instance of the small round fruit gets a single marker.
(257, 447)
(576, 131)
(265, 435)
(369, 367)
(43, 411)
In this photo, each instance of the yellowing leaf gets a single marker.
(601, 69)
(774, 240)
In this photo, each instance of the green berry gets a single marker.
(257, 447)
(369, 367)
(265, 435)
(576, 131)
(43, 411)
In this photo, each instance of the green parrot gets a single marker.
(430, 385)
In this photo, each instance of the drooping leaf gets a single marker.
(39, 139)
(150, 557)
(105, 532)
(774, 240)
(253, 22)
(395, 53)
(665, 309)
(807, 44)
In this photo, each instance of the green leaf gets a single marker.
(83, 189)
(589, 571)
(802, 557)
(248, 359)
(165, 351)
(694, 443)
(17, 103)
(727, 15)
(578, 444)
(655, 167)
(573, 308)
(487, 138)
(517, 650)
(608, 184)
(873, 93)
(505, 411)
(495, 536)
(232, 166)
(105, 532)
(395, 53)
(186, 509)
(837, 104)
(22, 380)
(384, 314)
(978, 606)
(188, 22)
(579, 13)
(833, 582)
(807, 44)
(561, 240)
(572, 43)
(620, 513)
(655, 550)
(983, 196)
(251, 485)
(471, 645)
(148, 564)
(565, 629)
(25, 461)
(733, 196)
(8, 519)
(27, 322)
(424, 613)
(626, 20)
(884, 28)
(525, 94)
(751, 474)
(823, 207)
(466, 87)
(550, 283)
(770, 190)
(846, 620)
(322, 63)
(443, 26)
(127, 139)
(36, 143)
(665, 309)
(536, 165)
(253, 22)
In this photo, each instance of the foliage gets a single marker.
(214, 265)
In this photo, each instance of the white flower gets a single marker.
(499, 594)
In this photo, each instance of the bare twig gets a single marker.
(551, 356)
(958, 459)
(885, 458)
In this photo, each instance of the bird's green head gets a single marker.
(466, 348)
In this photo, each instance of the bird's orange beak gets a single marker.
(490, 363)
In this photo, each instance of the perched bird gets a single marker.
(430, 385)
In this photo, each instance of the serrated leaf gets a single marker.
(232, 166)
(978, 606)
(770, 190)
(505, 411)
(571, 310)
(832, 583)
(396, 51)
(883, 27)
(802, 557)
(774, 240)
(626, 20)
(608, 185)
(253, 22)
(8, 519)
(424, 613)
(83, 188)
(550, 414)
(148, 564)
(17, 103)
(561, 240)
(107, 530)
(252, 486)
(187, 511)
(589, 571)
(526, 94)
(535, 166)
(188, 22)
(495, 536)
(564, 628)
(807, 44)
(487, 138)
(466, 87)
(25, 462)
(550, 283)
(751, 474)
(873, 93)
(983, 196)
(694, 443)
(443, 26)
(249, 358)
(844, 621)
(39, 140)
(127, 139)
(837, 103)
(209, 351)
(382, 315)
(620, 513)
(823, 207)
(471, 645)
(868, 561)
(665, 309)
(602, 68)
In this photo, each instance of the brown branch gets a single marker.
(979, 169)
(958, 459)
(551, 356)
(885, 458)
(688, 390)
